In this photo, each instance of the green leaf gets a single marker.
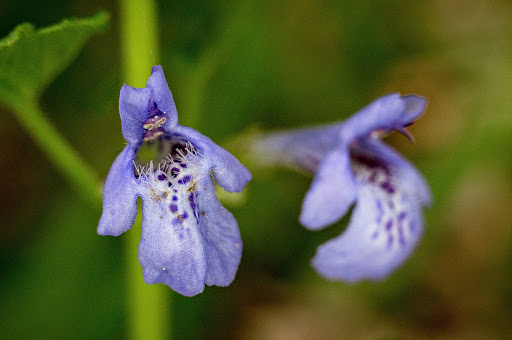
(30, 58)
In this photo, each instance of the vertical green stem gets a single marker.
(148, 306)
(139, 30)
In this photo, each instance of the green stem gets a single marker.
(148, 306)
(139, 32)
(60, 153)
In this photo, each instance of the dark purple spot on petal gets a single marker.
(162, 177)
(184, 215)
(184, 180)
(183, 165)
(170, 184)
(193, 204)
(401, 216)
(174, 198)
(173, 208)
(388, 187)
(191, 200)
(175, 171)
(389, 224)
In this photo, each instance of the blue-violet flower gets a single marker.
(351, 165)
(188, 238)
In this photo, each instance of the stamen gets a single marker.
(154, 122)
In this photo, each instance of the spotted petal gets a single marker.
(332, 192)
(188, 239)
(119, 195)
(171, 249)
(383, 231)
(411, 178)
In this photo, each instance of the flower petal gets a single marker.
(383, 231)
(410, 177)
(223, 245)
(301, 148)
(229, 173)
(331, 193)
(119, 195)
(227, 170)
(162, 96)
(133, 108)
(171, 249)
(414, 107)
(387, 113)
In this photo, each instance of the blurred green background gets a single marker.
(234, 65)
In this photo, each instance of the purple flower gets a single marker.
(351, 165)
(188, 238)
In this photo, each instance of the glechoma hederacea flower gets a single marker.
(351, 165)
(188, 238)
